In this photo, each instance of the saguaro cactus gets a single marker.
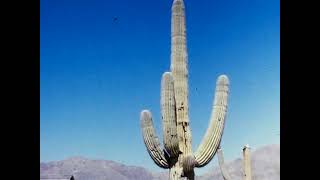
(223, 168)
(177, 155)
(246, 163)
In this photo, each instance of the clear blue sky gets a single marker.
(97, 74)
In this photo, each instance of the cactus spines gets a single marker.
(247, 163)
(177, 154)
(223, 168)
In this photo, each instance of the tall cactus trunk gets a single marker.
(175, 172)
(180, 75)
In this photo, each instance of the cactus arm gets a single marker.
(223, 168)
(151, 140)
(168, 111)
(212, 138)
(188, 164)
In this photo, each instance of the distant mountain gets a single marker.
(86, 169)
(265, 166)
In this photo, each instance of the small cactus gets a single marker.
(247, 163)
(222, 165)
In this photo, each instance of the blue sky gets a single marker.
(97, 74)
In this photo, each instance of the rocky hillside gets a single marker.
(265, 165)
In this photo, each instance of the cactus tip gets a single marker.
(223, 79)
(246, 146)
(145, 114)
(166, 74)
(145, 111)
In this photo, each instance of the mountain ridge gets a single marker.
(265, 165)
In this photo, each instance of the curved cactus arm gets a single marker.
(223, 168)
(151, 140)
(212, 138)
(168, 111)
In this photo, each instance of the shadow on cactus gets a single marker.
(177, 154)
